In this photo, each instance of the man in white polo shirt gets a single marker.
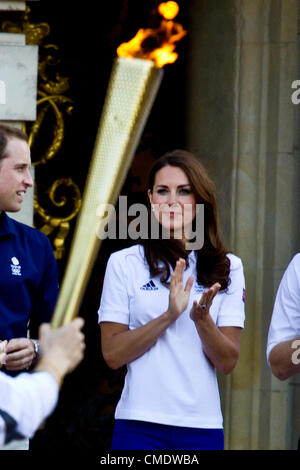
(283, 349)
(28, 399)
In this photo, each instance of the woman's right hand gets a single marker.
(179, 296)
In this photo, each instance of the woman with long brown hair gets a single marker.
(172, 310)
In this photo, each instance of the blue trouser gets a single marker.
(140, 435)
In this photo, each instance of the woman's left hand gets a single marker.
(200, 310)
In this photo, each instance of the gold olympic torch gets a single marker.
(134, 82)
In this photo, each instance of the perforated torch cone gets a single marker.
(131, 92)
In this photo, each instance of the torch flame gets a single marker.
(168, 10)
(156, 44)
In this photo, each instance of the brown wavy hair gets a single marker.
(6, 133)
(212, 262)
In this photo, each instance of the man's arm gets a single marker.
(283, 344)
(27, 400)
(21, 352)
(284, 359)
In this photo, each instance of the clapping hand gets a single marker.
(200, 309)
(179, 296)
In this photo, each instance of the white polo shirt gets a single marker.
(172, 383)
(285, 321)
(29, 399)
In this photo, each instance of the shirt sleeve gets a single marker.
(28, 399)
(114, 304)
(232, 307)
(285, 321)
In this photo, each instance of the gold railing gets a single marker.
(51, 99)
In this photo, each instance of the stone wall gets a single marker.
(241, 123)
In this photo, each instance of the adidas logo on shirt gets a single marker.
(149, 286)
(199, 289)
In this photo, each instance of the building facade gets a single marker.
(242, 59)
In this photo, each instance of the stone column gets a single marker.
(12, 5)
(294, 383)
(241, 123)
(18, 89)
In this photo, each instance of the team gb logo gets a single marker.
(15, 267)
